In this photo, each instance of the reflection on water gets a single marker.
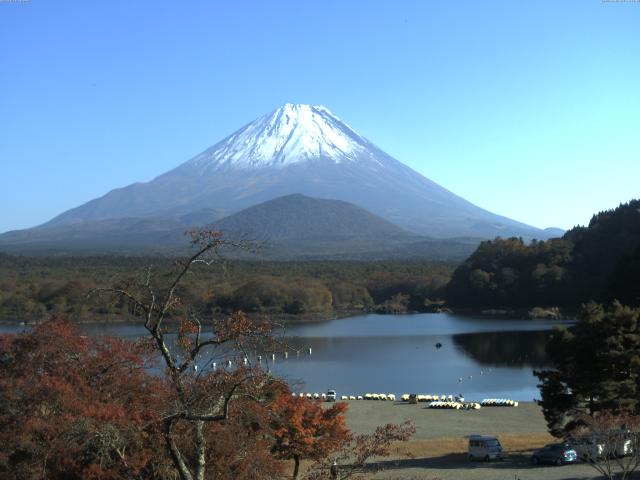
(479, 357)
(505, 349)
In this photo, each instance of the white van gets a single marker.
(485, 447)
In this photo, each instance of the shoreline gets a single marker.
(568, 314)
(128, 319)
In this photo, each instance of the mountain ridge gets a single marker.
(300, 149)
(292, 227)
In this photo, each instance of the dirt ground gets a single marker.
(438, 450)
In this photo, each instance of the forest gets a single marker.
(78, 407)
(599, 262)
(34, 288)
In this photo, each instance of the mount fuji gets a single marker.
(296, 149)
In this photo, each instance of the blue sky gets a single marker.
(528, 109)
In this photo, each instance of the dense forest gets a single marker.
(600, 262)
(34, 288)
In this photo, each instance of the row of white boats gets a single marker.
(455, 405)
(366, 396)
(435, 401)
(498, 402)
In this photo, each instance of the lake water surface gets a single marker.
(479, 357)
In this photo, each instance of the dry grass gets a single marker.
(453, 447)
(512, 443)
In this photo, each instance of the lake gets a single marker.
(480, 357)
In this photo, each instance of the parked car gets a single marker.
(556, 454)
(331, 396)
(588, 449)
(622, 447)
(592, 448)
(485, 447)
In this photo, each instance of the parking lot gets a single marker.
(438, 450)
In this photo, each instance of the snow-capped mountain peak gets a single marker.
(296, 149)
(293, 133)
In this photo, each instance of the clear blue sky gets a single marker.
(529, 109)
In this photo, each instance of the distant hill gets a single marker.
(290, 227)
(553, 232)
(301, 227)
(298, 217)
(600, 262)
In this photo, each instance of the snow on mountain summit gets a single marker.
(296, 149)
(293, 133)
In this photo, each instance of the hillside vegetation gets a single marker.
(291, 227)
(600, 262)
(33, 288)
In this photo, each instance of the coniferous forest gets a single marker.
(600, 262)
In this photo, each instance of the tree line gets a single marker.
(34, 288)
(600, 262)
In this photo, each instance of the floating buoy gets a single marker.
(245, 360)
(214, 365)
(286, 354)
(273, 357)
(259, 358)
(309, 350)
(438, 345)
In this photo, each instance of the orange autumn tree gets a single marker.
(303, 429)
(76, 407)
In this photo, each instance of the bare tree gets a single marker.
(351, 462)
(610, 443)
(207, 369)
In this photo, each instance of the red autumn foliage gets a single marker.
(303, 429)
(75, 407)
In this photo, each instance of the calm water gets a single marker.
(397, 354)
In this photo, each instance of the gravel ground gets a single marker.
(438, 448)
(457, 467)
